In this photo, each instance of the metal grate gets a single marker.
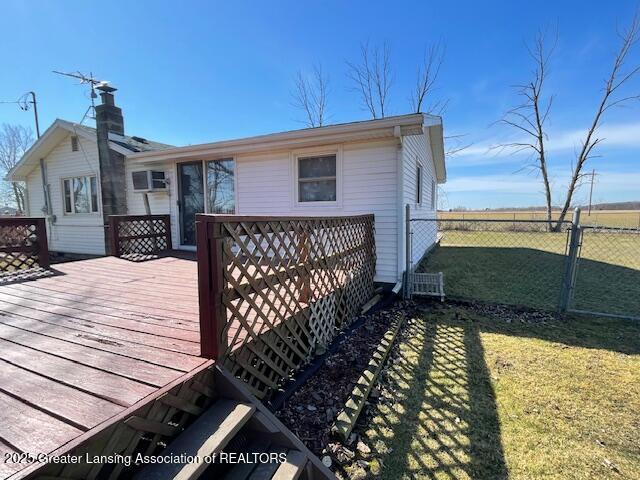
(427, 284)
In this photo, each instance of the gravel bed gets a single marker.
(312, 409)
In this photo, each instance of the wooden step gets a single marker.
(207, 435)
(241, 471)
(265, 471)
(293, 467)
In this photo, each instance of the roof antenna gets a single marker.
(93, 84)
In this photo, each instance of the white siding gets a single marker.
(78, 233)
(266, 187)
(417, 149)
(369, 184)
(159, 202)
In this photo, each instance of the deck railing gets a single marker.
(274, 291)
(139, 237)
(23, 244)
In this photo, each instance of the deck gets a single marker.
(86, 344)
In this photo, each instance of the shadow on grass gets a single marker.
(438, 417)
(532, 278)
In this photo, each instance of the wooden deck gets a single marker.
(82, 346)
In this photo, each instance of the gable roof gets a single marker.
(388, 127)
(59, 129)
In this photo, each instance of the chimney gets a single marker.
(112, 170)
(108, 114)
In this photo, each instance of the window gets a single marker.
(221, 186)
(433, 194)
(418, 183)
(158, 181)
(74, 143)
(317, 179)
(146, 180)
(80, 195)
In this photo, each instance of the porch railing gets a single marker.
(274, 291)
(139, 237)
(23, 244)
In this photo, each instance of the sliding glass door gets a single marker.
(191, 199)
(204, 187)
(221, 186)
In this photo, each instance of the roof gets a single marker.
(388, 127)
(59, 129)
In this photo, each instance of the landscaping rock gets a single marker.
(332, 384)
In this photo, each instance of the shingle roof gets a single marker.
(130, 142)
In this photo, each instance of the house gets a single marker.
(374, 166)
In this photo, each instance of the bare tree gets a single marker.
(310, 96)
(426, 79)
(15, 140)
(619, 77)
(529, 117)
(372, 78)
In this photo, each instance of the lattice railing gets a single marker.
(274, 291)
(140, 237)
(23, 244)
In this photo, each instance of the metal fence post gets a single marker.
(569, 280)
(407, 252)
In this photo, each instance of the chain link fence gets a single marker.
(526, 263)
(607, 278)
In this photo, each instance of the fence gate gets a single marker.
(569, 267)
(607, 274)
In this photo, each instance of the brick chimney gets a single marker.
(112, 170)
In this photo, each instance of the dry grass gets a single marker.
(468, 397)
(607, 218)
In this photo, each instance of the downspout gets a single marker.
(45, 189)
(397, 132)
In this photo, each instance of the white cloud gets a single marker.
(626, 135)
(607, 183)
(493, 183)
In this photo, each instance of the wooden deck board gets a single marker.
(80, 347)
(109, 362)
(35, 431)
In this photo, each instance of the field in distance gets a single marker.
(607, 218)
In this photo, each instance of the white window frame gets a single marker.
(419, 184)
(316, 152)
(88, 177)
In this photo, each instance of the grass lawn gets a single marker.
(526, 268)
(470, 397)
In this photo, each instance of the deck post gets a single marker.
(167, 225)
(43, 245)
(113, 236)
(210, 285)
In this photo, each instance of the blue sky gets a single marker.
(194, 71)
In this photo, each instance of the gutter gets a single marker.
(369, 129)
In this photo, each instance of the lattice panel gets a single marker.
(23, 244)
(140, 237)
(287, 287)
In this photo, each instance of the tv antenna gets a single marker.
(93, 84)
